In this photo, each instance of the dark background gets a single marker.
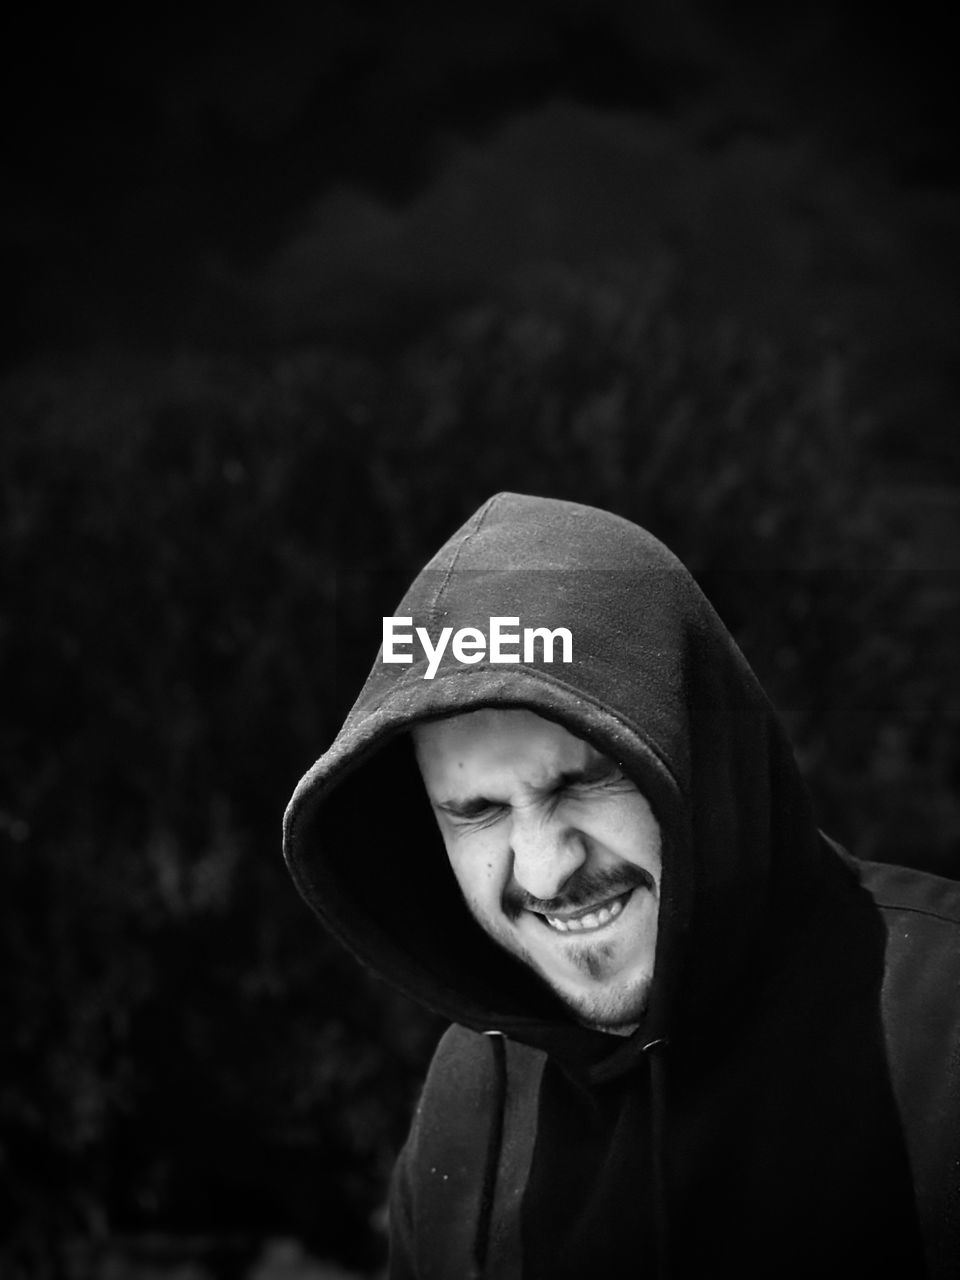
(287, 295)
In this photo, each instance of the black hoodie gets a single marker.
(790, 1103)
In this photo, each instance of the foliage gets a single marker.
(196, 551)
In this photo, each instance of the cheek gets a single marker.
(633, 833)
(479, 876)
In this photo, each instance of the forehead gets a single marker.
(496, 744)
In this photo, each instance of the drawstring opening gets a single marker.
(494, 1147)
(658, 1109)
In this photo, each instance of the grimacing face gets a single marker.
(556, 852)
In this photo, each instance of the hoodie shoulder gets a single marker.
(909, 892)
(475, 1121)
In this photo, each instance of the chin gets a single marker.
(603, 1000)
(618, 1009)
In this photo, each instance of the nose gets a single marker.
(546, 853)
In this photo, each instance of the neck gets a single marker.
(626, 1030)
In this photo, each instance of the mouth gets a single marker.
(589, 919)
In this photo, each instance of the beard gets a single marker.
(608, 1000)
(618, 1010)
(606, 1003)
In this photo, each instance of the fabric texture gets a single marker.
(790, 1104)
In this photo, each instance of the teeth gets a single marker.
(592, 920)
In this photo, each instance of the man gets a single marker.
(691, 1037)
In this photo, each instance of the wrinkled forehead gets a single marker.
(458, 750)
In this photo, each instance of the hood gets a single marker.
(656, 683)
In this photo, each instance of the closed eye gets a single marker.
(471, 811)
(597, 775)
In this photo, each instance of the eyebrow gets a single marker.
(594, 771)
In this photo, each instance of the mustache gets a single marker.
(582, 889)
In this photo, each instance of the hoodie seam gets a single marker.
(470, 533)
(918, 911)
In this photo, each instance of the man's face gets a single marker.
(556, 852)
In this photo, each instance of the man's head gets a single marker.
(556, 851)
